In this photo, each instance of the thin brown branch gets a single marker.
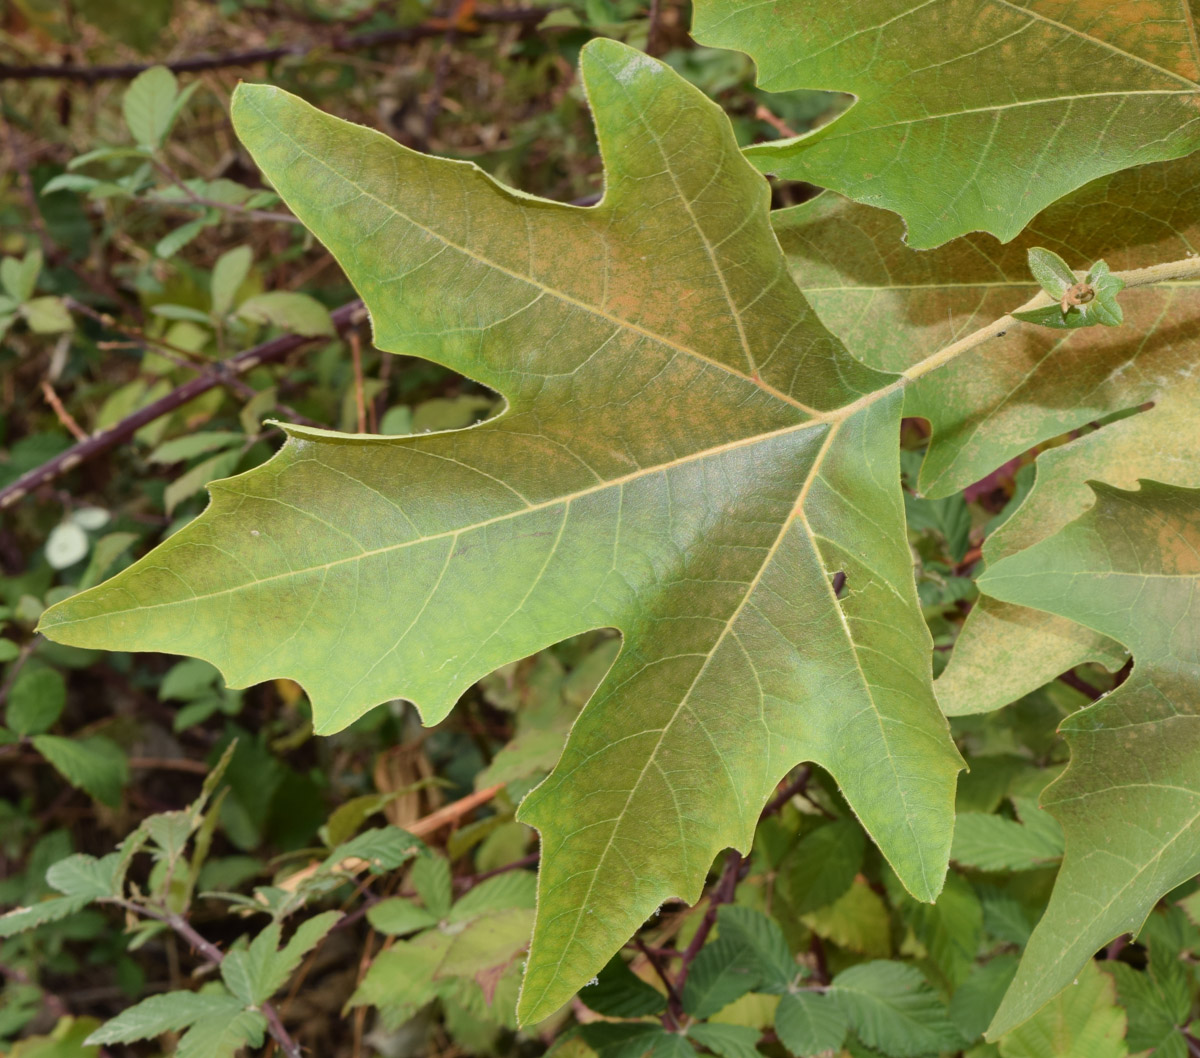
(195, 767)
(453, 812)
(722, 894)
(180, 357)
(338, 43)
(674, 999)
(653, 17)
(346, 316)
(64, 416)
(12, 755)
(1078, 683)
(796, 786)
(192, 198)
(821, 970)
(776, 122)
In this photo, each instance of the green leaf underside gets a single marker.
(1083, 1022)
(890, 1005)
(993, 843)
(971, 115)
(1129, 568)
(670, 463)
(809, 1023)
(892, 306)
(169, 1012)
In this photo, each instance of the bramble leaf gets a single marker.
(169, 1012)
(728, 1041)
(1128, 568)
(36, 701)
(971, 116)
(994, 843)
(95, 765)
(619, 993)
(686, 455)
(256, 972)
(890, 1005)
(151, 104)
(721, 973)
(809, 1023)
(399, 916)
(825, 865)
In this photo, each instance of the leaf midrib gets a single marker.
(530, 508)
(949, 115)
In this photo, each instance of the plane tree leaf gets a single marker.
(971, 115)
(1083, 1022)
(686, 455)
(1129, 567)
(893, 306)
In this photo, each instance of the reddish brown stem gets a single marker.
(721, 894)
(673, 1013)
(338, 43)
(343, 318)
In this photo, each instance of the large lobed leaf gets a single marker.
(972, 114)
(1129, 802)
(893, 306)
(990, 404)
(687, 455)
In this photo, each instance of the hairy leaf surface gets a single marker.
(993, 402)
(972, 114)
(1129, 802)
(686, 455)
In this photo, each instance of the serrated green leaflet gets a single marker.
(971, 115)
(687, 455)
(810, 1023)
(728, 1041)
(994, 843)
(169, 1012)
(890, 1005)
(893, 306)
(1129, 568)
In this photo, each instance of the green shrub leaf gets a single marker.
(969, 118)
(809, 1024)
(729, 1041)
(892, 1008)
(619, 993)
(170, 1012)
(149, 106)
(994, 843)
(95, 765)
(36, 700)
(1127, 568)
